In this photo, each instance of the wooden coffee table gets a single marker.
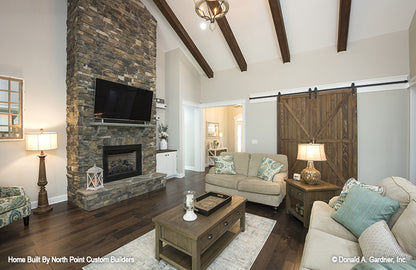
(195, 244)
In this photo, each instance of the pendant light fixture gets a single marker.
(211, 10)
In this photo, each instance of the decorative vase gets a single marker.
(163, 144)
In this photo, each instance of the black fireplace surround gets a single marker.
(122, 161)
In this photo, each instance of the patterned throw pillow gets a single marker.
(362, 208)
(224, 165)
(378, 241)
(268, 169)
(348, 186)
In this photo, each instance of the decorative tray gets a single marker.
(210, 202)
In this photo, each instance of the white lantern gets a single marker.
(94, 178)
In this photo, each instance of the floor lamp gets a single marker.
(42, 141)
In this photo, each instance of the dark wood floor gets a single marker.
(70, 231)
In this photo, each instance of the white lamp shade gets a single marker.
(311, 152)
(41, 141)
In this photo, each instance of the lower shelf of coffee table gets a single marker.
(184, 261)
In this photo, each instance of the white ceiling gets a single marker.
(310, 25)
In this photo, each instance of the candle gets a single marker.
(189, 200)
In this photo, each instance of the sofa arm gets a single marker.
(211, 170)
(280, 177)
(333, 201)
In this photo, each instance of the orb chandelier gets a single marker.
(211, 10)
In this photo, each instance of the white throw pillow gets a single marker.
(378, 241)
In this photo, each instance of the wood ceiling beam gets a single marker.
(279, 25)
(230, 38)
(343, 24)
(183, 35)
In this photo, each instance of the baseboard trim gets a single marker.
(52, 200)
(194, 169)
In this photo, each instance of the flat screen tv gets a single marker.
(115, 102)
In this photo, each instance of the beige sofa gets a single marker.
(327, 238)
(246, 183)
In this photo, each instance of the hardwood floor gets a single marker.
(70, 231)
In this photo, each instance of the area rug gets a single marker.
(240, 253)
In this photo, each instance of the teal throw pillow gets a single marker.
(224, 165)
(348, 186)
(268, 169)
(362, 208)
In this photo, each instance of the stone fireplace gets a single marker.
(115, 41)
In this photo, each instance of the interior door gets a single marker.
(329, 118)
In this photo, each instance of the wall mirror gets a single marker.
(11, 108)
(212, 129)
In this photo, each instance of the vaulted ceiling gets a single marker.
(262, 30)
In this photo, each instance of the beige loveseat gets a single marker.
(246, 183)
(328, 242)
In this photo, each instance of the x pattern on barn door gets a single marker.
(329, 118)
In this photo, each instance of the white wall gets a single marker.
(33, 47)
(189, 134)
(383, 135)
(182, 85)
(160, 74)
(412, 146)
(382, 56)
(192, 134)
(412, 48)
(412, 64)
(261, 133)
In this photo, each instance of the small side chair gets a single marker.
(14, 206)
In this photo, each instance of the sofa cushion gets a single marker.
(321, 220)
(401, 190)
(404, 229)
(257, 158)
(10, 203)
(378, 241)
(256, 185)
(241, 161)
(323, 251)
(363, 208)
(268, 169)
(224, 180)
(224, 165)
(348, 186)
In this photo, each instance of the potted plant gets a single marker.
(163, 136)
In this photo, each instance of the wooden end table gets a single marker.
(300, 197)
(195, 244)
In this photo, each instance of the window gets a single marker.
(10, 108)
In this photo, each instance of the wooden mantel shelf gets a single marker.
(121, 124)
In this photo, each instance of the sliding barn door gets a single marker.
(331, 119)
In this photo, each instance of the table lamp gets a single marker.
(311, 152)
(41, 141)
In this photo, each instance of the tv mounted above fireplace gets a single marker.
(115, 102)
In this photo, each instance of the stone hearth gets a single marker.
(115, 41)
(120, 190)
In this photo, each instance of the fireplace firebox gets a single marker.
(122, 161)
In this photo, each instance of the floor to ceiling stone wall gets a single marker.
(115, 41)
